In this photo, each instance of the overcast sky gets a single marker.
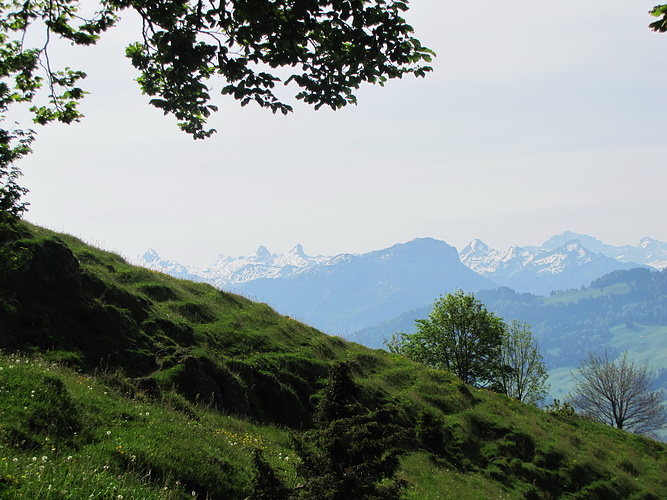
(541, 116)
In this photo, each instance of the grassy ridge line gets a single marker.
(215, 372)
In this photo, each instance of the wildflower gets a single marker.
(108, 433)
(45, 458)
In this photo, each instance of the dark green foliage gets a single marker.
(429, 431)
(564, 409)
(340, 397)
(330, 48)
(353, 452)
(660, 25)
(336, 46)
(13, 146)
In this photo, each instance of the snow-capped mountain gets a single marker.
(342, 293)
(648, 251)
(228, 271)
(567, 260)
(559, 264)
(151, 260)
(346, 292)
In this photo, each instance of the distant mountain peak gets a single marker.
(646, 242)
(567, 260)
(560, 240)
(298, 250)
(262, 253)
(478, 245)
(150, 256)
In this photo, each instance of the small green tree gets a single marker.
(460, 335)
(564, 409)
(523, 374)
(352, 452)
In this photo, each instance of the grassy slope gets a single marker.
(134, 383)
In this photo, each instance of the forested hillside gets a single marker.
(569, 323)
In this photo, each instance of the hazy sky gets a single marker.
(541, 116)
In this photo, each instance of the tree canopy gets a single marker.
(329, 46)
(660, 25)
(352, 452)
(326, 48)
(523, 374)
(462, 336)
(459, 335)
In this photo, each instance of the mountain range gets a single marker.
(344, 293)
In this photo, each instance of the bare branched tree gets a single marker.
(524, 375)
(618, 393)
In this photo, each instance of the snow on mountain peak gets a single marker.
(574, 246)
(478, 245)
(150, 256)
(646, 242)
(560, 258)
(479, 257)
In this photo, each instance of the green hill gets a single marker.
(119, 382)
